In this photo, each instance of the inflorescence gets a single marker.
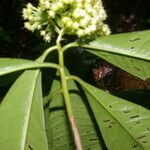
(76, 17)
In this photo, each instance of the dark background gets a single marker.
(15, 41)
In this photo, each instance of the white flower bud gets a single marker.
(51, 13)
(79, 5)
(47, 38)
(82, 12)
(79, 1)
(29, 6)
(93, 21)
(108, 32)
(28, 26)
(69, 23)
(43, 33)
(87, 30)
(105, 29)
(88, 8)
(65, 19)
(75, 25)
(47, 4)
(59, 4)
(88, 1)
(30, 17)
(76, 13)
(83, 22)
(39, 27)
(80, 32)
(67, 1)
(25, 16)
(92, 28)
(54, 7)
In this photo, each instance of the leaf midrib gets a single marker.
(90, 48)
(115, 119)
(29, 114)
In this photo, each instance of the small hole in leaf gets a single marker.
(70, 144)
(132, 47)
(141, 136)
(92, 139)
(135, 146)
(110, 106)
(62, 116)
(137, 69)
(133, 40)
(135, 116)
(148, 129)
(110, 126)
(106, 120)
(30, 147)
(113, 122)
(144, 141)
(138, 122)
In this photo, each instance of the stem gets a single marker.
(68, 104)
(47, 98)
(71, 77)
(73, 44)
(44, 55)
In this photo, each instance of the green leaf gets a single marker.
(59, 135)
(21, 115)
(9, 65)
(130, 51)
(124, 125)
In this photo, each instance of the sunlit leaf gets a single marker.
(124, 125)
(8, 65)
(130, 51)
(60, 136)
(21, 115)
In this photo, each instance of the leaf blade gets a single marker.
(60, 136)
(20, 107)
(8, 65)
(129, 51)
(127, 122)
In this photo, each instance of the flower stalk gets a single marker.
(67, 100)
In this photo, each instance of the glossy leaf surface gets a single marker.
(21, 115)
(124, 125)
(130, 51)
(8, 65)
(60, 136)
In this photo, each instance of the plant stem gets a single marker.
(44, 55)
(47, 98)
(68, 104)
(73, 44)
(71, 77)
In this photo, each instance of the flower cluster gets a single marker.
(76, 17)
